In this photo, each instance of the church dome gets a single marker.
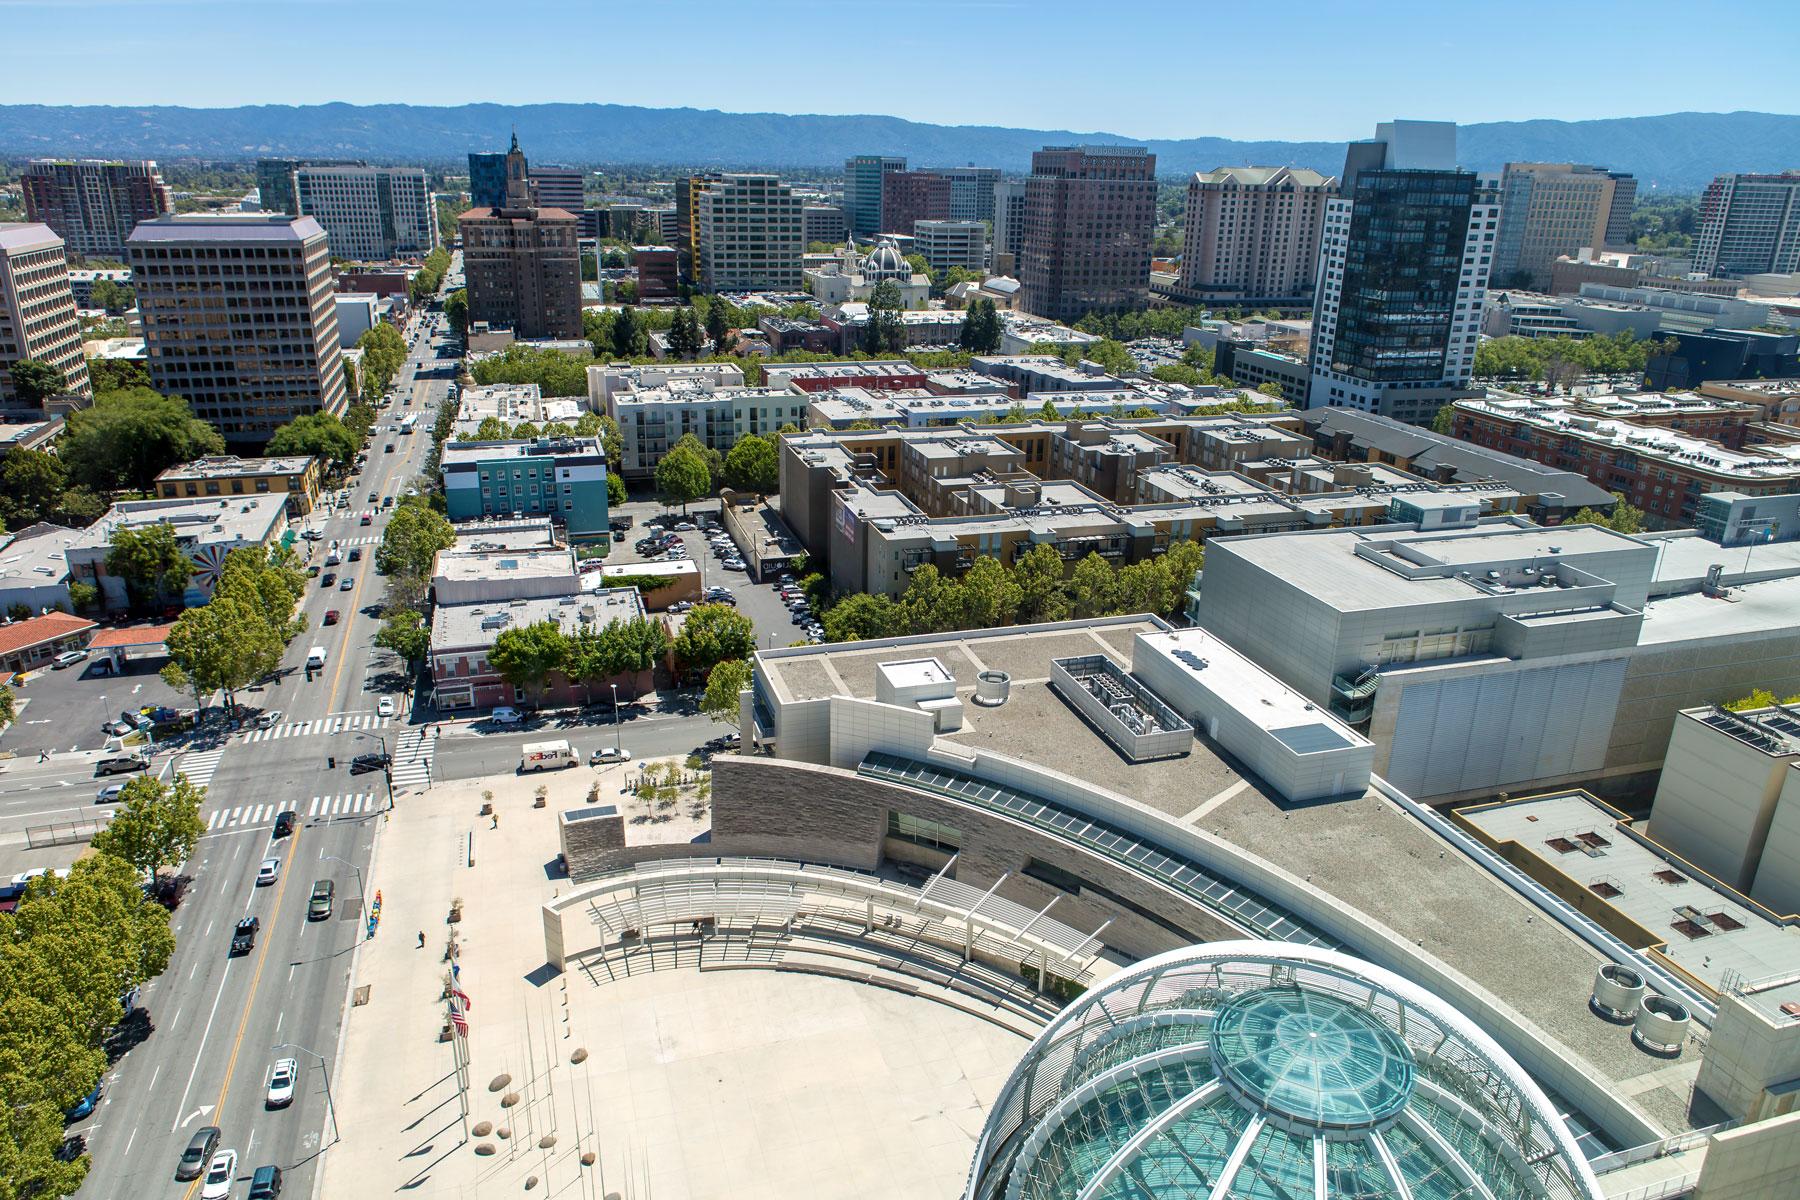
(886, 262)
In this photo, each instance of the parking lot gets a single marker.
(62, 711)
(762, 603)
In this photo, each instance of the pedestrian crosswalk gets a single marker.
(245, 816)
(353, 723)
(339, 806)
(412, 757)
(200, 765)
(367, 539)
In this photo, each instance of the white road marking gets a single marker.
(200, 1056)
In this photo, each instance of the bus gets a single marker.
(409, 422)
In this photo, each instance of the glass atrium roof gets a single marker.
(1258, 1071)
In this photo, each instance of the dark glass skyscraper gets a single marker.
(487, 180)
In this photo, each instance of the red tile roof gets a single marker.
(35, 631)
(131, 636)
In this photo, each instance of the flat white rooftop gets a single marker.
(1261, 698)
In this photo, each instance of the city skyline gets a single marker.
(1314, 84)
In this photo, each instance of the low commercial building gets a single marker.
(792, 333)
(934, 328)
(1488, 654)
(463, 636)
(657, 277)
(511, 404)
(36, 641)
(500, 565)
(34, 567)
(1659, 467)
(563, 478)
(876, 375)
(1021, 333)
(207, 529)
(297, 477)
(1252, 365)
(1728, 799)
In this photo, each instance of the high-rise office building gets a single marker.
(749, 234)
(1253, 234)
(275, 180)
(971, 191)
(862, 191)
(1009, 224)
(823, 223)
(687, 229)
(911, 196)
(951, 244)
(240, 318)
(37, 315)
(1089, 215)
(369, 213)
(558, 187)
(1749, 225)
(1548, 210)
(1403, 273)
(522, 262)
(487, 179)
(92, 205)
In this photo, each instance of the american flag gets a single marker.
(460, 1023)
(462, 998)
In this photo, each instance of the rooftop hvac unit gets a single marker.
(992, 688)
(1661, 1025)
(1617, 990)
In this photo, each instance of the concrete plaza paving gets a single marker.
(742, 1083)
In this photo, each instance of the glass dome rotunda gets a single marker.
(1264, 1071)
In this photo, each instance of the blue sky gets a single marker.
(1147, 68)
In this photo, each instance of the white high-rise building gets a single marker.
(947, 244)
(749, 232)
(369, 213)
(1403, 272)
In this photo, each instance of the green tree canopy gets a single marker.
(32, 483)
(1625, 517)
(150, 561)
(320, 434)
(456, 311)
(126, 439)
(157, 825)
(683, 476)
(526, 655)
(383, 354)
(981, 327)
(405, 633)
(752, 466)
(35, 381)
(728, 679)
(861, 616)
(409, 546)
(711, 634)
(1039, 576)
(116, 375)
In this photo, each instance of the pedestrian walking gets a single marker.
(421, 939)
(495, 818)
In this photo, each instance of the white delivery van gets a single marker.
(315, 658)
(546, 756)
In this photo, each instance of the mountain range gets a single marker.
(1674, 152)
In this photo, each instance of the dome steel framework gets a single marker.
(1267, 1071)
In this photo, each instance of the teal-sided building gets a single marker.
(562, 478)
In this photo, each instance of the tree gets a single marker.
(683, 476)
(384, 353)
(990, 596)
(930, 604)
(1039, 578)
(180, 682)
(114, 297)
(711, 634)
(409, 547)
(684, 334)
(633, 647)
(359, 419)
(1271, 389)
(525, 656)
(1111, 355)
(31, 486)
(83, 596)
(981, 327)
(615, 489)
(723, 686)
(491, 429)
(456, 311)
(405, 633)
(627, 337)
(752, 466)
(1093, 587)
(35, 381)
(861, 616)
(9, 708)
(886, 331)
(225, 645)
(1624, 518)
(318, 435)
(157, 826)
(126, 439)
(1445, 420)
(150, 561)
(718, 329)
(116, 375)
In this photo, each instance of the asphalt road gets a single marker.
(217, 1020)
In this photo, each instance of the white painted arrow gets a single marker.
(202, 1111)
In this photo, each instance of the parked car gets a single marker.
(121, 764)
(684, 527)
(68, 658)
(117, 728)
(268, 872)
(198, 1154)
(319, 907)
(734, 564)
(608, 755)
(83, 1106)
(220, 1176)
(680, 606)
(280, 1092)
(506, 714)
(243, 936)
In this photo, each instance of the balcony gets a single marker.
(1353, 697)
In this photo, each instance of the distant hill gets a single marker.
(1679, 151)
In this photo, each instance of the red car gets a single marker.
(331, 616)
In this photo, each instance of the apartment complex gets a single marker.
(875, 505)
(37, 316)
(562, 478)
(1009, 224)
(863, 190)
(1488, 654)
(522, 262)
(296, 476)
(93, 205)
(1548, 210)
(908, 197)
(1633, 445)
(1089, 215)
(1253, 234)
(656, 406)
(370, 213)
(557, 187)
(971, 191)
(951, 244)
(240, 318)
(275, 181)
(747, 234)
(1403, 273)
(1749, 225)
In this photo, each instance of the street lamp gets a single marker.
(615, 694)
(330, 1109)
(359, 879)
